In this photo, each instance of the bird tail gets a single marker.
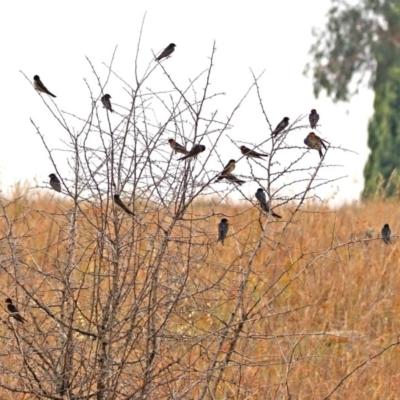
(184, 158)
(320, 153)
(276, 215)
(51, 94)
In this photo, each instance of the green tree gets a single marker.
(362, 42)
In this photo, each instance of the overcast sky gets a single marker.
(53, 39)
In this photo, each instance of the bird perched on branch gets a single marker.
(122, 205)
(228, 168)
(223, 230)
(386, 233)
(231, 178)
(40, 87)
(315, 142)
(106, 102)
(313, 118)
(281, 126)
(55, 182)
(262, 199)
(178, 148)
(251, 153)
(166, 52)
(194, 152)
(14, 311)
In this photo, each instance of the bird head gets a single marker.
(386, 226)
(202, 147)
(286, 119)
(107, 96)
(116, 196)
(8, 301)
(171, 141)
(224, 220)
(51, 176)
(232, 161)
(311, 135)
(259, 190)
(172, 45)
(36, 78)
(313, 111)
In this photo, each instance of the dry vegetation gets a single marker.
(152, 306)
(316, 302)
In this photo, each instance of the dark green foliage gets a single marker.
(364, 40)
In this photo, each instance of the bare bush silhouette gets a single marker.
(147, 303)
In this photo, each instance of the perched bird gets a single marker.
(313, 118)
(314, 142)
(223, 230)
(386, 233)
(196, 150)
(55, 182)
(40, 87)
(166, 52)
(231, 178)
(122, 205)
(228, 168)
(281, 126)
(14, 311)
(251, 153)
(106, 102)
(177, 147)
(262, 199)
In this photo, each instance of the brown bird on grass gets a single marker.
(281, 126)
(313, 118)
(178, 148)
(251, 153)
(122, 205)
(38, 84)
(14, 311)
(315, 142)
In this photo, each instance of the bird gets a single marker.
(386, 233)
(228, 168)
(55, 182)
(177, 147)
(166, 52)
(40, 87)
(281, 126)
(122, 205)
(314, 142)
(313, 118)
(251, 153)
(14, 311)
(196, 149)
(260, 196)
(231, 178)
(106, 102)
(222, 230)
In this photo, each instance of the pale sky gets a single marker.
(52, 39)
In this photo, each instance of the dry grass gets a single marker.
(315, 306)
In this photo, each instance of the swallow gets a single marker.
(40, 87)
(194, 152)
(281, 126)
(314, 142)
(230, 178)
(122, 205)
(251, 153)
(106, 102)
(177, 147)
(386, 233)
(313, 118)
(55, 182)
(166, 52)
(223, 230)
(260, 196)
(228, 168)
(14, 311)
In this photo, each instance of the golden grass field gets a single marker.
(318, 303)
